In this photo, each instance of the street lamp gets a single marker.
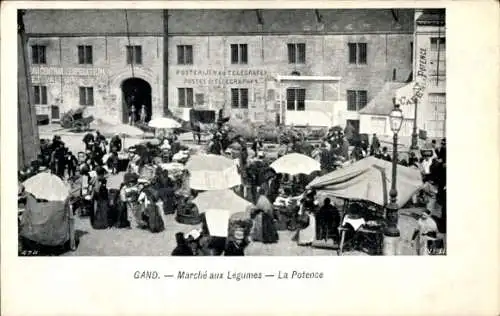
(391, 231)
(414, 136)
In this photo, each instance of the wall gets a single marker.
(63, 75)
(428, 116)
(326, 55)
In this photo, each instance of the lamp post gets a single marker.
(391, 231)
(414, 136)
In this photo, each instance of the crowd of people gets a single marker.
(148, 191)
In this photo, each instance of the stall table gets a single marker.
(373, 236)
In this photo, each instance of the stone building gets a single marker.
(95, 58)
(428, 86)
(430, 37)
(298, 66)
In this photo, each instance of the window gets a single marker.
(295, 99)
(239, 54)
(411, 53)
(357, 53)
(200, 98)
(134, 55)
(184, 54)
(85, 54)
(185, 97)
(38, 54)
(297, 53)
(40, 95)
(438, 40)
(86, 96)
(239, 98)
(356, 99)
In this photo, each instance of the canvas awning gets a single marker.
(382, 103)
(369, 179)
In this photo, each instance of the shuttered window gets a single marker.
(239, 53)
(134, 55)
(38, 54)
(296, 53)
(356, 99)
(295, 99)
(239, 98)
(185, 96)
(357, 53)
(85, 55)
(86, 96)
(184, 54)
(40, 93)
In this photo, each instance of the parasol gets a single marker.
(217, 222)
(46, 186)
(212, 172)
(221, 199)
(294, 164)
(164, 123)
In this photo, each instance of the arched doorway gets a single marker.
(136, 92)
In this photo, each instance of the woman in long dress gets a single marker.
(307, 235)
(99, 218)
(269, 231)
(151, 210)
(129, 195)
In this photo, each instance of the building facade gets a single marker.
(260, 65)
(430, 39)
(428, 86)
(95, 66)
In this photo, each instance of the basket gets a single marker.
(147, 172)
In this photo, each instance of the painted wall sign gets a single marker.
(68, 71)
(421, 77)
(68, 75)
(222, 77)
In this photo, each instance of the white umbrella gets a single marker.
(221, 199)
(217, 222)
(212, 172)
(294, 164)
(164, 122)
(46, 186)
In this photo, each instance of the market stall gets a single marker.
(363, 186)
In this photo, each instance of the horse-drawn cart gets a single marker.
(74, 119)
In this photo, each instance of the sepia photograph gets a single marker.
(232, 132)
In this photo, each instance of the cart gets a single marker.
(74, 119)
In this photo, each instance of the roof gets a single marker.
(382, 103)
(436, 17)
(92, 21)
(209, 21)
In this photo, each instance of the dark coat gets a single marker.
(182, 250)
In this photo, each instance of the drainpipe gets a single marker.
(165, 62)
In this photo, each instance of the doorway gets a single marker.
(136, 92)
